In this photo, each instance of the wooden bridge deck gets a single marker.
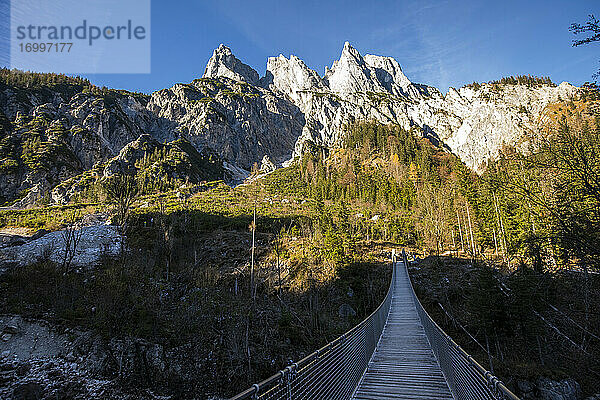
(403, 365)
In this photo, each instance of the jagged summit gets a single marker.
(389, 74)
(470, 122)
(224, 63)
(292, 77)
(352, 73)
(291, 106)
(374, 87)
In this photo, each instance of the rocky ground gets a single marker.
(38, 361)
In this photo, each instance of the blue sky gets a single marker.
(440, 43)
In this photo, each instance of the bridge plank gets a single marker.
(403, 365)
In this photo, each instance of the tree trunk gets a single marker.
(470, 231)
(502, 231)
(462, 244)
(252, 289)
(495, 242)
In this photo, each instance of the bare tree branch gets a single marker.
(71, 236)
(591, 26)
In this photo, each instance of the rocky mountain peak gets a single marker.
(274, 116)
(224, 63)
(389, 73)
(351, 74)
(292, 76)
(350, 52)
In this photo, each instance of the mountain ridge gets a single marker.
(474, 123)
(243, 117)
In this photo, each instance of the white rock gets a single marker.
(224, 63)
(473, 124)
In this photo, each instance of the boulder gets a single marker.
(346, 311)
(566, 389)
(548, 389)
(266, 165)
(28, 391)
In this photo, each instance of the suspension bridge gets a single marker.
(398, 352)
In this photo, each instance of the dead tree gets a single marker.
(71, 236)
(121, 191)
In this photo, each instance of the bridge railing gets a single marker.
(466, 378)
(333, 371)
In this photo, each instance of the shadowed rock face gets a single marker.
(241, 122)
(41, 360)
(68, 133)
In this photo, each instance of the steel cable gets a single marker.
(466, 378)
